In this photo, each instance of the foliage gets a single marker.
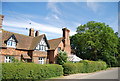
(30, 71)
(72, 68)
(62, 57)
(84, 67)
(15, 60)
(118, 56)
(92, 66)
(118, 59)
(95, 41)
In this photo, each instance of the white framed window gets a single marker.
(42, 46)
(59, 48)
(8, 59)
(41, 60)
(11, 43)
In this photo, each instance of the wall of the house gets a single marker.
(37, 54)
(12, 52)
(56, 50)
(51, 56)
(17, 54)
(53, 53)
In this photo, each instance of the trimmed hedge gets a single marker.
(84, 67)
(30, 71)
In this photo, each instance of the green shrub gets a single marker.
(92, 66)
(62, 57)
(30, 71)
(84, 66)
(72, 68)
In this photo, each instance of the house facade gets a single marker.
(32, 48)
(58, 44)
(26, 48)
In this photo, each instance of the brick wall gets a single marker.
(12, 52)
(67, 46)
(37, 54)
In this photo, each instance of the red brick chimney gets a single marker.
(67, 46)
(1, 20)
(37, 33)
(31, 32)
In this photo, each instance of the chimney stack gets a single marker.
(66, 41)
(1, 20)
(31, 32)
(37, 33)
(66, 33)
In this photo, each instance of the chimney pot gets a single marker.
(1, 20)
(37, 33)
(31, 32)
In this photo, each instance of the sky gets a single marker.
(50, 17)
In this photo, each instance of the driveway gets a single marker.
(104, 74)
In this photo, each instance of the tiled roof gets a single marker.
(54, 43)
(24, 42)
(25, 56)
(35, 41)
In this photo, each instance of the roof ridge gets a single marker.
(14, 33)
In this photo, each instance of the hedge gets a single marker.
(84, 67)
(30, 71)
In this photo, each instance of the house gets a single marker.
(27, 48)
(33, 48)
(58, 44)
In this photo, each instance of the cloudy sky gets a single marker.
(51, 17)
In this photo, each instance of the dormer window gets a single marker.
(11, 42)
(42, 46)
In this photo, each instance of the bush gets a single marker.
(84, 67)
(62, 57)
(92, 66)
(30, 71)
(72, 68)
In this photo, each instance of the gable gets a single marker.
(42, 45)
(12, 38)
(54, 43)
(11, 42)
(36, 40)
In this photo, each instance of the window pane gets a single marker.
(41, 60)
(59, 48)
(8, 59)
(11, 42)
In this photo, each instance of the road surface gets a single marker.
(105, 74)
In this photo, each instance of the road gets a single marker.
(105, 74)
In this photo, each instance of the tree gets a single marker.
(62, 57)
(95, 41)
(118, 55)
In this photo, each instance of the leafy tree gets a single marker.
(62, 57)
(95, 41)
(118, 56)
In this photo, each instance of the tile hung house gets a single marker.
(33, 48)
(58, 44)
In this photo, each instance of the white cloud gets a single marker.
(35, 25)
(53, 7)
(21, 22)
(55, 16)
(94, 6)
(52, 17)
